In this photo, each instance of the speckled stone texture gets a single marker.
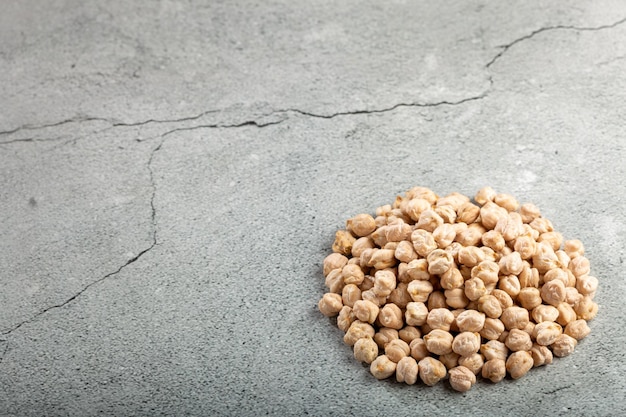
(172, 174)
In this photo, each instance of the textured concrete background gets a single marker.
(172, 174)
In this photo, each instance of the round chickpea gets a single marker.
(586, 308)
(484, 195)
(384, 283)
(385, 335)
(343, 242)
(429, 220)
(436, 299)
(405, 252)
(529, 212)
(365, 350)
(471, 256)
(447, 213)
(330, 305)
(519, 363)
(503, 297)
(397, 349)
(420, 290)
(416, 313)
(473, 362)
(356, 331)
(510, 284)
(461, 378)
(470, 321)
(493, 240)
(334, 261)
(431, 370)
(525, 246)
(566, 314)
(511, 264)
(444, 235)
(493, 329)
(391, 316)
(529, 297)
(418, 349)
(553, 292)
(470, 235)
(408, 333)
(578, 329)
(365, 310)
(586, 284)
(563, 345)
(541, 355)
(407, 370)
(574, 248)
(545, 313)
(382, 367)
(494, 349)
(490, 213)
(451, 279)
(514, 318)
(466, 343)
(439, 261)
(440, 318)
(439, 342)
(494, 370)
(490, 305)
(579, 266)
(474, 289)
(546, 332)
(361, 225)
(417, 270)
(518, 340)
(350, 294)
(360, 245)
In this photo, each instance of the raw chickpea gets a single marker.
(470, 236)
(518, 340)
(439, 342)
(461, 378)
(490, 213)
(473, 362)
(541, 355)
(578, 329)
(554, 239)
(514, 318)
(423, 192)
(431, 370)
(487, 271)
(529, 277)
(423, 242)
(415, 207)
(564, 345)
(352, 274)
(468, 213)
(343, 242)
(398, 232)
(382, 367)
(450, 360)
(361, 225)
(400, 296)
(475, 288)
(557, 274)
(490, 254)
(368, 283)
(529, 297)
(471, 256)
(345, 318)
(494, 370)
(334, 281)
(572, 296)
(358, 330)
(444, 235)
(391, 316)
(494, 349)
(447, 213)
(519, 363)
(397, 349)
(542, 225)
(484, 195)
(490, 305)
(380, 220)
(529, 212)
(466, 343)
(405, 252)
(543, 313)
(436, 299)
(330, 305)
(574, 248)
(366, 311)
(544, 257)
(451, 279)
(384, 283)
(360, 245)
(466, 272)
(586, 284)
(525, 246)
(418, 349)
(429, 220)
(493, 240)
(456, 298)
(439, 261)
(503, 297)
(384, 336)
(383, 210)
(407, 370)
(453, 249)
(585, 308)
(420, 290)
(511, 264)
(440, 318)
(408, 333)
(566, 314)
(418, 270)
(365, 350)
(470, 321)
(350, 294)
(506, 201)
(510, 284)
(510, 226)
(334, 261)
(456, 200)
(370, 295)
(416, 313)
(563, 259)
(530, 328)
(553, 292)
(381, 258)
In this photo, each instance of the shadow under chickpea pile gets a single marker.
(436, 287)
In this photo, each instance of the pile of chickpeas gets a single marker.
(435, 287)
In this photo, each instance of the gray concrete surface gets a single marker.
(172, 174)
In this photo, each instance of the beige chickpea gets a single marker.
(519, 363)
(563, 258)
(503, 297)
(470, 236)
(461, 379)
(468, 213)
(586, 284)
(370, 295)
(384, 282)
(444, 235)
(529, 212)
(365, 350)
(450, 360)
(490, 254)
(382, 258)
(487, 271)
(436, 299)
(352, 274)
(510, 284)
(557, 274)
(511, 264)
(350, 294)
(356, 331)
(345, 318)
(418, 349)
(474, 288)
(466, 343)
(431, 370)
(343, 242)
(553, 292)
(466, 272)
(380, 220)
(572, 296)
(529, 277)
(490, 213)
(439, 261)
(542, 225)
(525, 246)
(574, 248)
(578, 329)
(451, 279)
(422, 192)
(382, 367)
(554, 239)
(398, 232)
(586, 308)
(334, 281)
(473, 362)
(494, 370)
(385, 335)
(330, 305)
(440, 318)
(447, 213)
(384, 210)
(391, 316)
(518, 340)
(529, 297)
(416, 313)
(564, 345)
(334, 261)
(407, 370)
(414, 208)
(429, 220)
(360, 245)
(397, 349)
(418, 270)
(368, 283)
(438, 341)
(471, 256)
(455, 200)
(490, 306)
(400, 295)
(493, 240)
(453, 249)
(544, 257)
(423, 242)
(514, 317)
(408, 333)
(510, 226)
(494, 349)
(484, 195)
(541, 355)
(506, 201)
(456, 298)
(566, 314)
(544, 312)
(366, 311)
(420, 290)
(405, 252)
(361, 225)
(470, 321)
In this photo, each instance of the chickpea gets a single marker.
(456, 298)
(493, 240)
(553, 292)
(415, 207)
(431, 370)
(352, 274)
(461, 378)
(360, 245)
(345, 318)
(494, 370)
(471, 256)
(423, 242)
(490, 305)
(365, 350)
(429, 220)
(542, 225)
(470, 236)
(438, 342)
(444, 235)
(356, 331)
(490, 254)
(466, 343)
(503, 297)
(418, 349)
(541, 355)
(408, 333)
(578, 329)
(557, 274)
(564, 345)
(334, 261)
(407, 370)
(494, 349)
(398, 231)
(510, 226)
(440, 318)
(585, 308)
(420, 290)
(447, 213)
(514, 318)
(506, 201)
(416, 313)
(418, 270)
(470, 321)
(330, 305)
(439, 261)
(586, 284)
(544, 257)
(519, 363)
(543, 313)
(473, 362)
(518, 340)
(563, 259)
(510, 284)
(334, 281)
(529, 277)
(554, 239)
(350, 294)
(451, 279)
(423, 192)
(490, 213)
(574, 248)
(366, 311)
(384, 283)
(529, 297)
(566, 314)
(511, 264)
(370, 295)
(525, 246)
(397, 349)
(529, 212)
(384, 336)
(343, 242)
(367, 284)
(572, 296)
(453, 249)
(382, 367)
(487, 271)
(436, 299)
(530, 328)
(450, 360)
(455, 200)
(484, 195)
(475, 288)
(361, 225)
(405, 252)
(391, 316)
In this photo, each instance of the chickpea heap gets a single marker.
(436, 287)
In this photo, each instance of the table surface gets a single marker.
(172, 175)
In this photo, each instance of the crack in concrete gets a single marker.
(61, 123)
(150, 121)
(508, 46)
